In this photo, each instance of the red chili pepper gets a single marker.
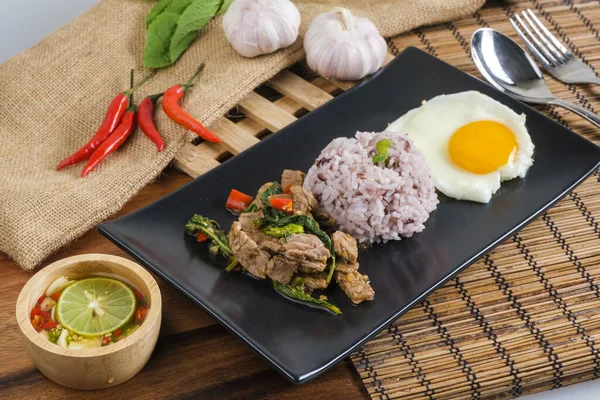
(113, 116)
(139, 295)
(116, 109)
(170, 105)
(49, 325)
(145, 119)
(38, 311)
(238, 201)
(201, 237)
(140, 314)
(55, 296)
(141, 299)
(38, 322)
(114, 141)
(42, 297)
(281, 203)
(118, 332)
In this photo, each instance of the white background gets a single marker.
(24, 22)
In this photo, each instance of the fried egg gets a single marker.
(471, 142)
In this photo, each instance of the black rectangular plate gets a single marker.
(301, 342)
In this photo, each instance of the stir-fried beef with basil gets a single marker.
(276, 237)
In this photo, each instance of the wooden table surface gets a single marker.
(194, 358)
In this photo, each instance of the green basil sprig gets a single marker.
(298, 294)
(172, 25)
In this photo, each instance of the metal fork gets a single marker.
(550, 52)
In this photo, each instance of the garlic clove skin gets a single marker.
(341, 46)
(255, 27)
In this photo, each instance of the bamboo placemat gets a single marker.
(526, 317)
(523, 319)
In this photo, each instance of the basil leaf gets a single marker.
(173, 26)
(270, 191)
(383, 145)
(161, 29)
(194, 18)
(299, 295)
(224, 6)
(251, 208)
(382, 149)
(211, 229)
(157, 10)
(275, 218)
(380, 158)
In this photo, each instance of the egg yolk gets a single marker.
(482, 147)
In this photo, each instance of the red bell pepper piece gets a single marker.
(281, 203)
(238, 201)
(201, 237)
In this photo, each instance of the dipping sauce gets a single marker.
(90, 312)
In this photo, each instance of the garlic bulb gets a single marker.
(341, 46)
(255, 27)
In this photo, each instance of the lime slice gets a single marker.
(95, 306)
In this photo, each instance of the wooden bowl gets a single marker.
(91, 368)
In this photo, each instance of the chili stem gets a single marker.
(133, 87)
(154, 98)
(189, 83)
(129, 93)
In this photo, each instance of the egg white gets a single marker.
(432, 125)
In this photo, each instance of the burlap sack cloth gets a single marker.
(54, 95)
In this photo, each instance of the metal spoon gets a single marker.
(510, 69)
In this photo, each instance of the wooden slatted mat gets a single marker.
(523, 319)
